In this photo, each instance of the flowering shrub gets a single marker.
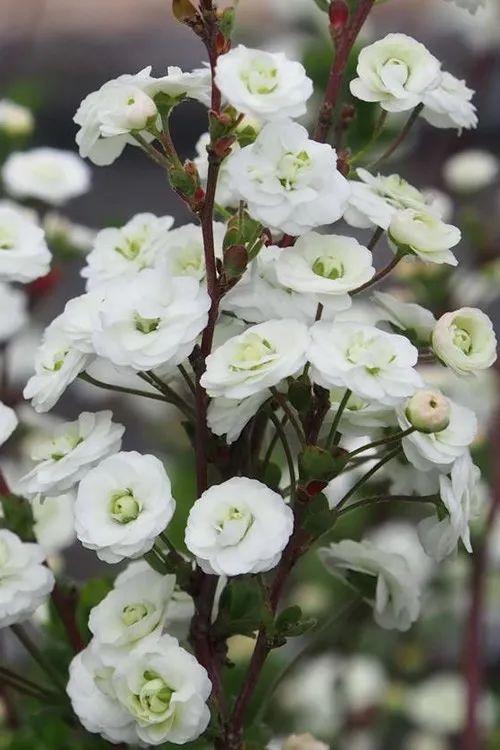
(248, 322)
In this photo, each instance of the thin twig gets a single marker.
(388, 457)
(332, 435)
(288, 453)
(383, 441)
(118, 388)
(282, 401)
(38, 657)
(401, 137)
(379, 276)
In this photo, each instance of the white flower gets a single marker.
(185, 255)
(289, 182)
(60, 229)
(54, 525)
(13, 313)
(239, 526)
(449, 105)
(460, 496)
(405, 317)
(122, 252)
(257, 359)
(439, 450)
(122, 505)
(259, 296)
(24, 581)
(225, 194)
(108, 117)
(164, 690)
(397, 72)
(360, 417)
(179, 607)
(80, 319)
(8, 422)
(228, 416)
(373, 364)
(397, 593)
(135, 609)
(465, 340)
(15, 120)
(68, 454)
(471, 170)
(46, 174)
(423, 234)
(57, 364)
(93, 697)
(24, 256)
(401, 537)
(375, 199)
(151, 320)
(264, 85)
(330, 265)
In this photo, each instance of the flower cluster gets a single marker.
(251, 327)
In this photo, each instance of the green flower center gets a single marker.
(328, 267)
(290, 166)
(462, 339)
(253, 353)
(146, 325)
(134, 613)
(130, 248)
(261, 78)
(57, 361)
(124, 507)
(233, 526)
(6, 239)
(155, 695)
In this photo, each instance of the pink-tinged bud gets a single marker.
(339, 16)
(428, 411)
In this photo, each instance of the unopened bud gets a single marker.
(428, 411)
(235, 261)
(140, 109)
(339, 16)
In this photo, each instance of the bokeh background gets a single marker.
(358, 688)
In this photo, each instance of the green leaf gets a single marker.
(291, 623)
(242, 608)
(316, 463)
(299, 394)
(226, 22)
(319, 517)
(17, 516)
(323, 5)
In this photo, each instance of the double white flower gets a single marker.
(449, 105)
(126, 105)
(237, 527)
(46, 174)
(397, 592)
(373, 364)
(397, 72)
(289, 182)
(257, 359)
(24, 255)
(156, 694)
(150, 320)
(465, 340)
(424, 234)
(122, 505)
(330, 265)
(24, 581)
(122, 252)
(460, 496)
(406, 317)
(265, 85)
(73, 449)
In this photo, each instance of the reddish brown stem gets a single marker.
(65, 608)
(343, 49)
(378, 276)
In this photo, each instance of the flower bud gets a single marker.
(428, 411)
(140, 108)
(339, 16)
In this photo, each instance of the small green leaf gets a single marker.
(319, 517)
(242, 608)
(299, 394)
(290, 623)
(91, 594)
(323, 5)
(17, 516)
(316, 463)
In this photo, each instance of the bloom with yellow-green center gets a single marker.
(122, 505)
(237, 527)
(257, 359)
(465, 341)
(265, 85)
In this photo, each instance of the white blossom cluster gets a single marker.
(290, 315)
